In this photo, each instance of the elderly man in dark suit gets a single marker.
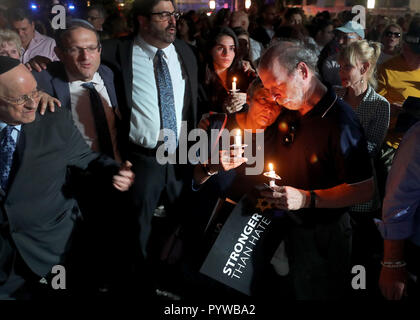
(156, 85)
(37, 216)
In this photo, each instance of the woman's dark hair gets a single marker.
(209, 76)
(211, 42)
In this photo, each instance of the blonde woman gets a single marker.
(358, 82)
(10, 44)
(357, 72)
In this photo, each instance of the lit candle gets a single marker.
(238, 138)
(272, 173)
(234, 84)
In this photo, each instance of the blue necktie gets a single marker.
(101, 124)
(7, 148)
(166, 97)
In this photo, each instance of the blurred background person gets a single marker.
(346, 34)
(264, 32)
(185, 30)
(391, 41)
(322, 31)
(10, 44)
(33, 43)
(243, 51)
(241, 19)
(221, 66)
(294, 16)
(96, 15)
(398, 78)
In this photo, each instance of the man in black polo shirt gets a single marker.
(325, 168)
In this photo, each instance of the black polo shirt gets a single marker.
(324, 148)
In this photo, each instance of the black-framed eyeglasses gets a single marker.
(75, 51)
(395, 34)
(166, 15)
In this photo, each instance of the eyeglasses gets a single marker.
(166, 15)
(75, 51)
(395, 34)
(23, 99)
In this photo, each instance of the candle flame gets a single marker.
(234, 79)
(238, 132)
(270, 167)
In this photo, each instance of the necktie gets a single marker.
(101, 124)
(7, 148)
(166, 98)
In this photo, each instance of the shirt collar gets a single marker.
(37, 37)
(95, 79)
(151, 50)
(4, 124)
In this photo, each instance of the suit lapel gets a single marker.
(61, 88)
(24, 149)
(188, 71)
(109, 85)
(126, 56)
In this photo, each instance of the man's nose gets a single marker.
(172, 20)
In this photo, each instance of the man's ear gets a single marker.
(303, 70)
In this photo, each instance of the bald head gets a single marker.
(19, 97)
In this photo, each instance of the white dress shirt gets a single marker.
(83, 116)
(145, 121)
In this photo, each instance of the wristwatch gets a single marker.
(313, 199)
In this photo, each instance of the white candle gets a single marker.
(271, 168)
(238, 138)
(272, 173)
(234, 84)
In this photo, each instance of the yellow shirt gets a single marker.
(396, 82)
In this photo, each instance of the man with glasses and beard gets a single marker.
(325, 168)
(156, 85)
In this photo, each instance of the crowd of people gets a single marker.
(86, 110)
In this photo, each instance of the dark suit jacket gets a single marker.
(36, 212)
(117, 54)
(54, 81)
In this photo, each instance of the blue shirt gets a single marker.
(401, 208)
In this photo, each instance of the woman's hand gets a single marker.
(235, 102)
(247, 67)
